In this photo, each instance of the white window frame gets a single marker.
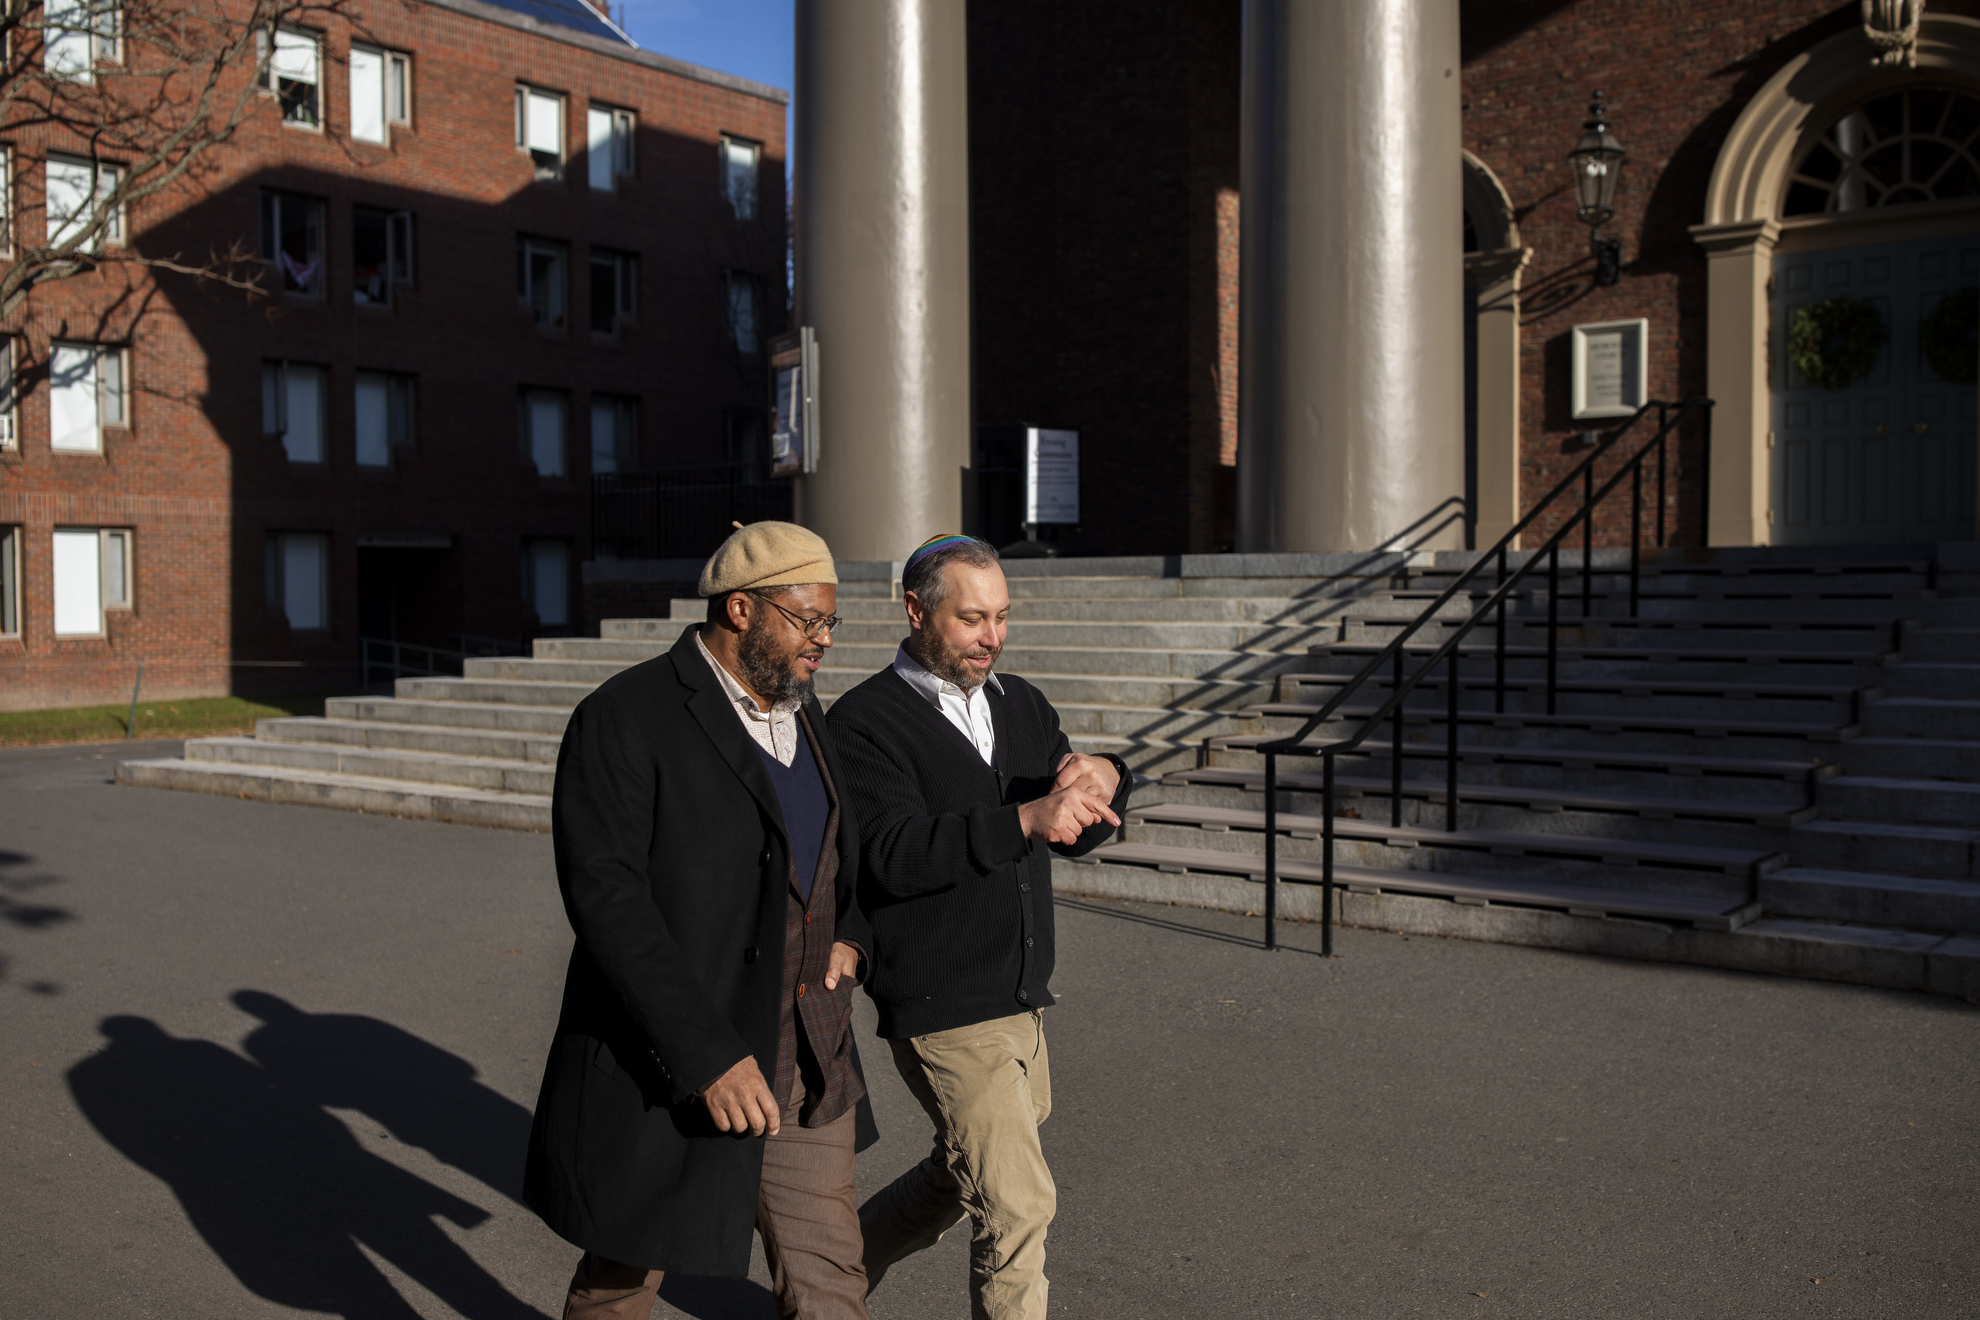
(6, 201)
(10, 404)
(533, 553)
(548, 162)
(398, 255)
(10, 581)
(623, 409)
(398, 88)
(393, 97)
(107, 179)
(270, 79)
(741, 202)
(398, 395)
(276, 559)
(536, 450)
(272, 202)
(556, 313)
(275, 408)
(98, 40)
(625, 289)
(609, 136)
(110, 378)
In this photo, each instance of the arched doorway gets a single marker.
(1846, 180)
(1493, 260)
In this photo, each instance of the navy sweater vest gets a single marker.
(801, 793)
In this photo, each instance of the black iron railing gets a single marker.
(683, 512)
(1669, 418)
(387, 659)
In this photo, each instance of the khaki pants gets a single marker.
(987, 1087)
(804, 1210)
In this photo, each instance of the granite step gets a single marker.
(1912, 758)
(504, 716)
(1872, 899)
(1922, 717)
(1935, 851)
(482, 772)
(376, 796)
(384, 735)
(1909, 801)
(1583, 763)
(1289, 715)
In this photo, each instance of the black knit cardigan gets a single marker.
(960, 902)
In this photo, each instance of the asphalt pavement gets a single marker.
(263, 1060)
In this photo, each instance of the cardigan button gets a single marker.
(1024, 996)
(1025, 888)
(749, 954)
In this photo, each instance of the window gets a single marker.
(78, 35)
(292, 240)
(92, 574)
(614, 433)
(739, 175)
(540, 279)
(10, 581)
(1912, 146)
(384, 417)
(381, 92)
(745, 299)
(292, 396)
(540, 130)
(10, 433)
(86, 392)
(6, 201)
(381, 254)
(292, 75)
(608, 146)
(299, 578)
(546, 583)
(543, 431)
(79, 191)
(613, 277)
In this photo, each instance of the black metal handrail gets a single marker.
(397, 659)
(1670, 416)
(681, 512)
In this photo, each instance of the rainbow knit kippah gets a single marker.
(934, 543)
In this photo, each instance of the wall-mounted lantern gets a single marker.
(1597, 161)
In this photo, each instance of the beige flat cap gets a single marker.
(768, 554)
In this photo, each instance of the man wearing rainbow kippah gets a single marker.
(964, 786)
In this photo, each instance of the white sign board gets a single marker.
(1611, 368)
(1051, 476)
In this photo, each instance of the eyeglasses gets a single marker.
(811, 628)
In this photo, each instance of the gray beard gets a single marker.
(768, 674)
(949, 666)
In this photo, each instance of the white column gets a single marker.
(1351, 411)
(1739, 261)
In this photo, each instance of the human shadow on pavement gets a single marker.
(416, 1091)
(1184, 928)
(279, 1188)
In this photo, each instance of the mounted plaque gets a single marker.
(1611, 368)
(794, 403)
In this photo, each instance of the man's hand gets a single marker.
(1063, 816)
(740, 1098)
(845, 962)
(1100, 777)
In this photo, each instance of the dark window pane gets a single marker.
(1904, 196)
(1886, 164)
(1927, 109)
(370, 247)
(1886, 115)
(1821, 163)
(1806, 199)
(1927, 159)
(604, 296)
(1965, 117)
(1959, 181)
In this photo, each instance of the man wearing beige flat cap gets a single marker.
(703, 1080)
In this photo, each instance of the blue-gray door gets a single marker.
(1888, 460)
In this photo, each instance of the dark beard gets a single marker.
(949, 666)
(767, 673)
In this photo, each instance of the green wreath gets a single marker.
(1950, 337)
(1835, 343)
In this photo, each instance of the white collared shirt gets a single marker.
(959, 705)
(776, 732)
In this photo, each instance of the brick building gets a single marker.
(1105, 201)
(504, 248)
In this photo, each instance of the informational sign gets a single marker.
(794, 404)
(1611, 368)
(1051, 476)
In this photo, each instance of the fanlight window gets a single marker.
(1914, 146)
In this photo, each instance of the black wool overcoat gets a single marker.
(675, 873)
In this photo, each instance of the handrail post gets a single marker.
(1553, 620)
(1327, 855)
(1635, 532)
(1451, 748)
(1395, 761)
(1499, 647)
(1272, 850)
(1587, 541)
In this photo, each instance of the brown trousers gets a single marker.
(987, 1087)
(805, 1212)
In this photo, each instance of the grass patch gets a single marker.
(196, 717)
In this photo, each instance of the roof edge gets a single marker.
(633, 54)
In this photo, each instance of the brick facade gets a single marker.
(430, 546)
